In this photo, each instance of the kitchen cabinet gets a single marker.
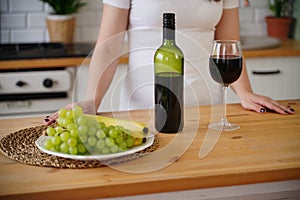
(113, 93)
(276, 77)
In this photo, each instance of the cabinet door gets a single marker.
(276, 77)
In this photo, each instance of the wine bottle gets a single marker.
(169, 72)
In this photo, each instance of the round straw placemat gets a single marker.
(20, 146)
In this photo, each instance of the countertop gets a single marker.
(265, 149)
(287, 48)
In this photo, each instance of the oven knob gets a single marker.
(48, 83)
(20, 83)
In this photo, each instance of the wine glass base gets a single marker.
(220, 126)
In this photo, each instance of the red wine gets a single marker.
(225, 70)
(168, 102)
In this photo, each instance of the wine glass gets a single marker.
(225, 66)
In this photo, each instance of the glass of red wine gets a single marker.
(225, 66)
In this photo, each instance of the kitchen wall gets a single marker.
(24, 20)
(252, 18)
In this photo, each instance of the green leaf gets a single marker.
(64, 7)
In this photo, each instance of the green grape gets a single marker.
(72, 142)
(105, 150)
(50, 131)
(110, 127)
(64, 136)
(123, 146)
(70, 114)
(73, 150)
(74, 133)
(100, 144)
(62, 112)
(100, 134)
(48, 144)
(90, 148)
(130, 142)
(65, 122)
(83, 138)
(77, 111)
(105, 130)
(83, 129)
(92, 140)
(81, 149)
(58, 129)
(101, 124)
(56, 140)
(82, 120)
(119, 128)
(64, 147)
(71, 126)
(113, 133)
(57, 148)
(119, 139)
(61, 121)
(114, 149)
(109, 142)
(92, 131)
(93, 123)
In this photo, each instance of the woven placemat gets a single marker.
(20, 146)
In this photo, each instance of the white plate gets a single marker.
(41, 140)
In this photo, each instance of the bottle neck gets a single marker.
(169, 35)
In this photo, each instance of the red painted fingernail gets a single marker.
(262, 110)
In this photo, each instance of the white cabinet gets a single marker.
(276, 77)
(113, 93)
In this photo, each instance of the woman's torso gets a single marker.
(195, 26)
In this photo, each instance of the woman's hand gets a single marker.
(262, 104)
(88, 107)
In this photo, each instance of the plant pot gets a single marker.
(61, 28)
(278, 27)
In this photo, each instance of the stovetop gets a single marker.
(44, 50)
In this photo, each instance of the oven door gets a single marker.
(35, 92)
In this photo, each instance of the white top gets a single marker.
(195, 26)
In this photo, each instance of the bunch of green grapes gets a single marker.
(76, 133)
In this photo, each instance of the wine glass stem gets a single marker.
(224, 118)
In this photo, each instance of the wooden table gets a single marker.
(265, 149)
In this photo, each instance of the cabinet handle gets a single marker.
(266, 72)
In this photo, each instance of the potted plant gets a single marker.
(61, 22)
(279, 24)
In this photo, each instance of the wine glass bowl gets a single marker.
(225, 67)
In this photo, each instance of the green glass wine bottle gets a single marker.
(169, 72)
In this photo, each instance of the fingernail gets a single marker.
(46, 120)
(292, 109)
(262, 110)
(286, 112)
(47, 116)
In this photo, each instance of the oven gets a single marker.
(37, 91)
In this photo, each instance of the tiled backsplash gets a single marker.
(24, 20)
(252, 18)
